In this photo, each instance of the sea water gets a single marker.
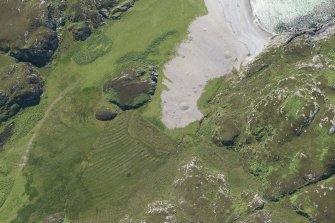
(272, 13)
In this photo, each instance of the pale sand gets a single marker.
(217, 42)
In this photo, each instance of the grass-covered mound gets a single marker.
(133, 87)
(92, 48)
(279, 115)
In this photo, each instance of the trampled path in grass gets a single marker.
(40, 124)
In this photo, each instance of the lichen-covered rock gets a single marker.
(257, 203)
(55, 218)
(161, 211)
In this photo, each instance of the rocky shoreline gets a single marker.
(224, 39)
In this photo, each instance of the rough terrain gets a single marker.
(225, 38)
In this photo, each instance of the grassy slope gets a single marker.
(271, 104)
(99, 172)
(70, 134)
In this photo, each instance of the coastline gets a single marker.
(225, 38)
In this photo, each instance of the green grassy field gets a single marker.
(135, 168)
(78, 165)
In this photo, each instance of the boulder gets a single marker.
(105, 114)
(257, 203)
(81, 32)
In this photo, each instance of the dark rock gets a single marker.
(81, 33)
(154, 78)
(105, 114)
(40, 49)
(61, 21)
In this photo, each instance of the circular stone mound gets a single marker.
(105, 114)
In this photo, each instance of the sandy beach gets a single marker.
(225, 38)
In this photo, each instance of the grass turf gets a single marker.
(59, 176)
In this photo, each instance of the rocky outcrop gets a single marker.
(315, 201)
(89, 15)
(81, 32)
(38, 23)
(39, 50)
(56, 218)
(21, 86)
(284, 103)
(133, 88)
